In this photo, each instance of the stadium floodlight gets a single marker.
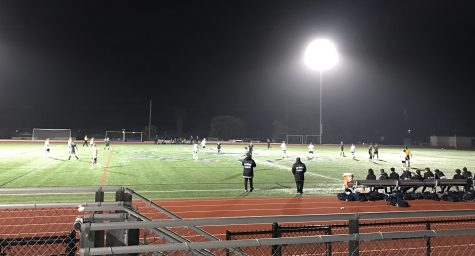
(321, 55)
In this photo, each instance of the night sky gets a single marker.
(94, 66)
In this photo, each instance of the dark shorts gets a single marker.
(310, 152)
(94, 159)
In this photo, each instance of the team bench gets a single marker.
(431, 183)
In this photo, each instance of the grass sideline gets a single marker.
(169, 172)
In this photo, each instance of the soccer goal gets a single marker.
(315, 139)
(294, 139)
(124, 136)
(52, 134)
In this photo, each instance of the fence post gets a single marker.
(428, 246)
(276, 249)
(99, 234)
(228, 237)
(70, 244)
(328, 244)
(354, 226)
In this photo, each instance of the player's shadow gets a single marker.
(357, 160)
(232, 177)
(375, 163)
(281, 185)
(243, 194)
(58, 159)
(381, 160)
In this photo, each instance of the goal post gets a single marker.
(294, 139)
(311, 138)
(124, 136)
(52, 134)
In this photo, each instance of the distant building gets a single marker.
(452, 141)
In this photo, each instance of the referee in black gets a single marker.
(298, 170)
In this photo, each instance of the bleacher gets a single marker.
(397, 184)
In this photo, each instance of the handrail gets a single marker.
(273, 241)
(284, 218)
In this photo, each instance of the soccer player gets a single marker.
(352, 150)
(72, 149)
(248, 171)
(218, 147)
(310, 151)
(46, 147)
(408, 157)
(94, 155)
(86, 141)
(268, 143)
(283, 146)
(403, 159)
(342, 149)
(203, 144)
(370, 152)
(108, 145)
(195, 151)
(375, 151)
(92, 142)
(251, 148)
(246, 151)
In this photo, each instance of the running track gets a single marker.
(241, 207)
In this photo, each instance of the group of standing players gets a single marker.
(72, 148)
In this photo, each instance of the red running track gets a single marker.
(241, 207)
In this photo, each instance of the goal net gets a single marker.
(294, 139)
(52, 134)
(124, 136)
(315, 139)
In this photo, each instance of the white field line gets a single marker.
(288, 190)
(288, 168)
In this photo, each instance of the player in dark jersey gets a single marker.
(376, 151)
(342, 149)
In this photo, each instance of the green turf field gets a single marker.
(169, 171)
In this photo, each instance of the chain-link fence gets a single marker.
(38, 231)
(141, 227)
(406, 246)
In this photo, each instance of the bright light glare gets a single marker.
(321, 55)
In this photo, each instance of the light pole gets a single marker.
(320, 55)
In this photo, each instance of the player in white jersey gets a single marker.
(203, 144)
(92, 142)
(352, 150)
(72, 149)
(283, 146)
(46, 147)
(195, 151)
(108, 145)
(94, 155)
(310, 151)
